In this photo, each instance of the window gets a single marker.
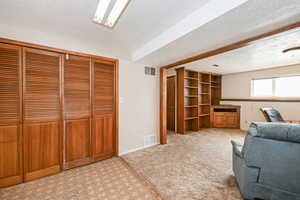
(276, 87)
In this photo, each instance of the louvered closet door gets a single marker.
(104, 138)
(42, 113)
(10, 116)
(77, 108)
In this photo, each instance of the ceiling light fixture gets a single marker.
(108, 12)
(101, 10)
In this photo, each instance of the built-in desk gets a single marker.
(225, 116)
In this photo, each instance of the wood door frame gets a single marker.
(236, 45)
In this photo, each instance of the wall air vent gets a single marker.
(150, 71)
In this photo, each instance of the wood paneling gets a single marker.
(104, 137)
(41, 149)
(171, 103)
(42, 112)
(11, 168)
(77, 142)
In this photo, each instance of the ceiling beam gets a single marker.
(233, 46)
(203, 15)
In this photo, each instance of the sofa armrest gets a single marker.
(237, 148)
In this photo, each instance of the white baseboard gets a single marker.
(137, 149)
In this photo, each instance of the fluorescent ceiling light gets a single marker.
(108, 14)
(101, 10)
(116, 12)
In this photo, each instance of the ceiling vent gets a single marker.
(150, 71)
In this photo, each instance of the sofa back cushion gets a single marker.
(275, 131)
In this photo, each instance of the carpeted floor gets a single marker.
(191, 167)
(111, 179)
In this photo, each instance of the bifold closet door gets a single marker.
(77, 111)
(104, 137)
(11, 171)
(42, 113)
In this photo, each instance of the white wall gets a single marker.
(139, 94)
(238, 86)
(139, 106)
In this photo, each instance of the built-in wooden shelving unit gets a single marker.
(196, 92)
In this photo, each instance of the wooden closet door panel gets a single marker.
(42, 112)
(77, 111)
(9, 151)
(104, 138)
(10, 156)
(103, 88)
(42, 149)
(11, 167)
(10, 80)
(77, 143)
(41, 85)
(77, 86)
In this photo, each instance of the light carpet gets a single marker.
(191, 167)
(111, 179)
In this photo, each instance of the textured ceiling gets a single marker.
(250, 19)
(265, 53)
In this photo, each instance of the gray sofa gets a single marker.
(267, 165)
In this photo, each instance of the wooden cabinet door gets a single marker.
(11, 171)
(77, 111)
(225, 120)
(104, 137)
(42, 113)
(219, 120)
(231, 120)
